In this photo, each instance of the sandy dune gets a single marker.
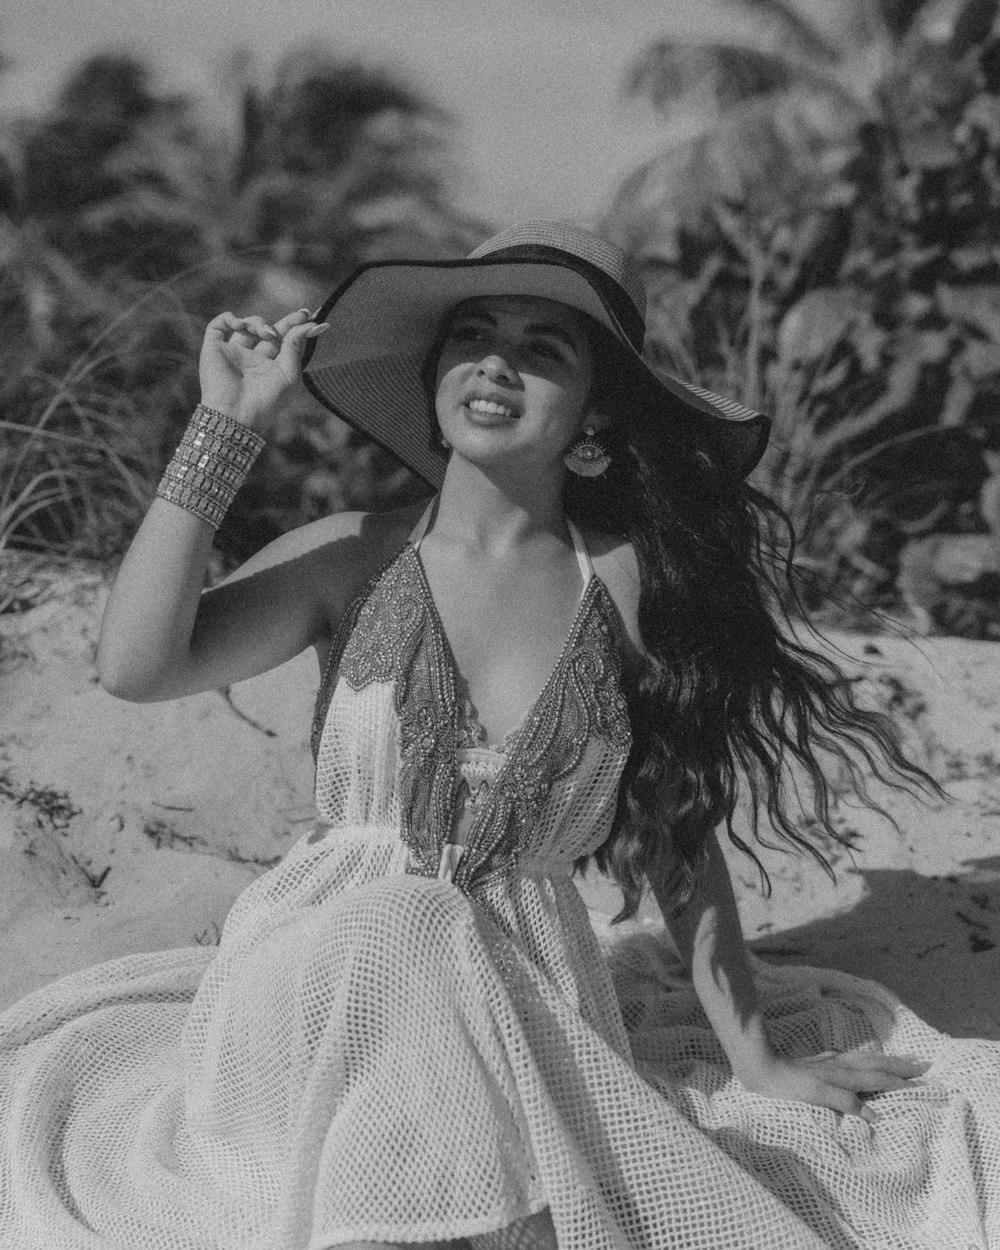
(132, 827)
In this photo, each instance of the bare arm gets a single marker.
(706, 932)
(161, 638)
(708, 935)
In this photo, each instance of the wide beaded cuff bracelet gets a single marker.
(210, 465)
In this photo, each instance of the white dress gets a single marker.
(401, 1039)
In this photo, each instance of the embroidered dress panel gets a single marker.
(392, 637)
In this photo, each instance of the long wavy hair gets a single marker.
(726, 703)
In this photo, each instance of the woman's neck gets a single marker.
(495, 516)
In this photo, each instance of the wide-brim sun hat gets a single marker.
(369, 367)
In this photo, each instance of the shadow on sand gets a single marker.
(934, 941)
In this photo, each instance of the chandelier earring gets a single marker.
(587, 457)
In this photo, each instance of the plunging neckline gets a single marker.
(513, 740)
(409, 648)
(456, 681)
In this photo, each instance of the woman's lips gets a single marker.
(490, 416)
(490, 408)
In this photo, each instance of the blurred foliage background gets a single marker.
(823, 242)
(128, 219)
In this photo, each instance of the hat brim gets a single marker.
(384, 319)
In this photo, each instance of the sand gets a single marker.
(127, 827)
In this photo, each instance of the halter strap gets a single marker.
(420, 529)
(582, 554)
(579, 546)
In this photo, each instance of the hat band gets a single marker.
(611, 293)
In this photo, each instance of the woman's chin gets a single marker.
(483, 429)
(484, 444)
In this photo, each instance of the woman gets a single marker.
(409, 1034)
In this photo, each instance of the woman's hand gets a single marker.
(247, 366)
(834, 1080)
(707, 933)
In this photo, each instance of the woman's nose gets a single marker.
(497, 367)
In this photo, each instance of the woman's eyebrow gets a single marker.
(554, 331)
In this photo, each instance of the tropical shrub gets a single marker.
(837, 262)
(127, 219)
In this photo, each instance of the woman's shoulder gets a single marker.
(374, 535)
(332, 558)
(616, 564)
(353, 546)
(362, 539)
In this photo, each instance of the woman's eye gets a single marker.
(542, 347)
(465, 334)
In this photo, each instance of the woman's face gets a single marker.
(513, 380)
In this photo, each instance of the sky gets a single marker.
(533, 85)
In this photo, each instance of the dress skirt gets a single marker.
(383, 1061)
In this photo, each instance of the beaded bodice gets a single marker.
(545, 795)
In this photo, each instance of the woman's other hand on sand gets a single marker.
(840, 1081)
(247, 365)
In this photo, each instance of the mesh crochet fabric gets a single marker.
(373, 1053)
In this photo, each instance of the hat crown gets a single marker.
(564, 236)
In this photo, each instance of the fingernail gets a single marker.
(315, 331)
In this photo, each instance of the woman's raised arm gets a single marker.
(161, 637)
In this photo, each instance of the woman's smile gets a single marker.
(491, 408)
(487, 413)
